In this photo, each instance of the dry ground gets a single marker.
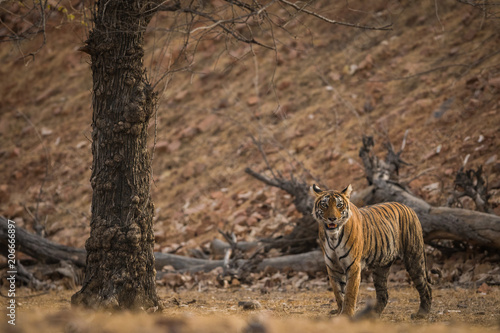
(217, 310)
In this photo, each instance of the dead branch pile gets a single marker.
(475, 228)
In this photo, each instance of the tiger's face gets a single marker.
(331, 208)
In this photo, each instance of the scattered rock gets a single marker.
(491, 160)
(223, 103)
(159, 236)
(494, 81)
(189, 132)
(484, 289)
(4, 193)
(284, 85)
(196, 209)
(180, 95)
(210, 122)
(251, 101)
(174, 146)
(81, 144)
(15, 152)
(45, 131)
(161, 146)
(366, 63)
(250, 305)
(431, 187)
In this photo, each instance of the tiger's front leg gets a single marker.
(337, 282)
(353, 280)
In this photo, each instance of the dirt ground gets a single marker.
(217, 310)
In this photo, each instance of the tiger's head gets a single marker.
(331, 208)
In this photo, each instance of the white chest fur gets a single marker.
(336, 251)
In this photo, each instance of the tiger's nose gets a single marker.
(332, 219)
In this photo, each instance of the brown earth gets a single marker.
(435, 75)
(282, 310)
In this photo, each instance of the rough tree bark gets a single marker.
(120, 262)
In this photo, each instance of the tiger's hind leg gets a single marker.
(415, 265)
(380, 275)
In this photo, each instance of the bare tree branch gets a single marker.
(321, 17)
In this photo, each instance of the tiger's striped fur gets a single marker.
(374, 237)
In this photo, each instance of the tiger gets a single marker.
(352, 238)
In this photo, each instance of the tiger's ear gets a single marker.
(315, 190)
(347, 191)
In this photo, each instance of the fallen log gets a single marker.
(475, 228)
(46, 251)
(218, 248)
(304, 262)
(41, 248)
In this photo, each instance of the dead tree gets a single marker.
(377, 169)
(437, 222)
(471, 183)
(40, 248)
(303, 236)
(475, 228)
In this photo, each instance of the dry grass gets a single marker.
(217, 310)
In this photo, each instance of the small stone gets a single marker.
(15, 152)
(483, 289)
(4, 193)
(210, 122)
(45, 131)
(180, 95)
(174, 146)
(161, 146)
(494, 81)
(81, 144)
(253, 100)
(284, 85)
(250, 305)
(491, 160)
(189, 132)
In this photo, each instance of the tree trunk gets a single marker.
(120, 262)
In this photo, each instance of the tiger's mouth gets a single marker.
(331, 226)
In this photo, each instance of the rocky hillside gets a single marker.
(435, 77)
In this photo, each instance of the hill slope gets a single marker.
(436, 76)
